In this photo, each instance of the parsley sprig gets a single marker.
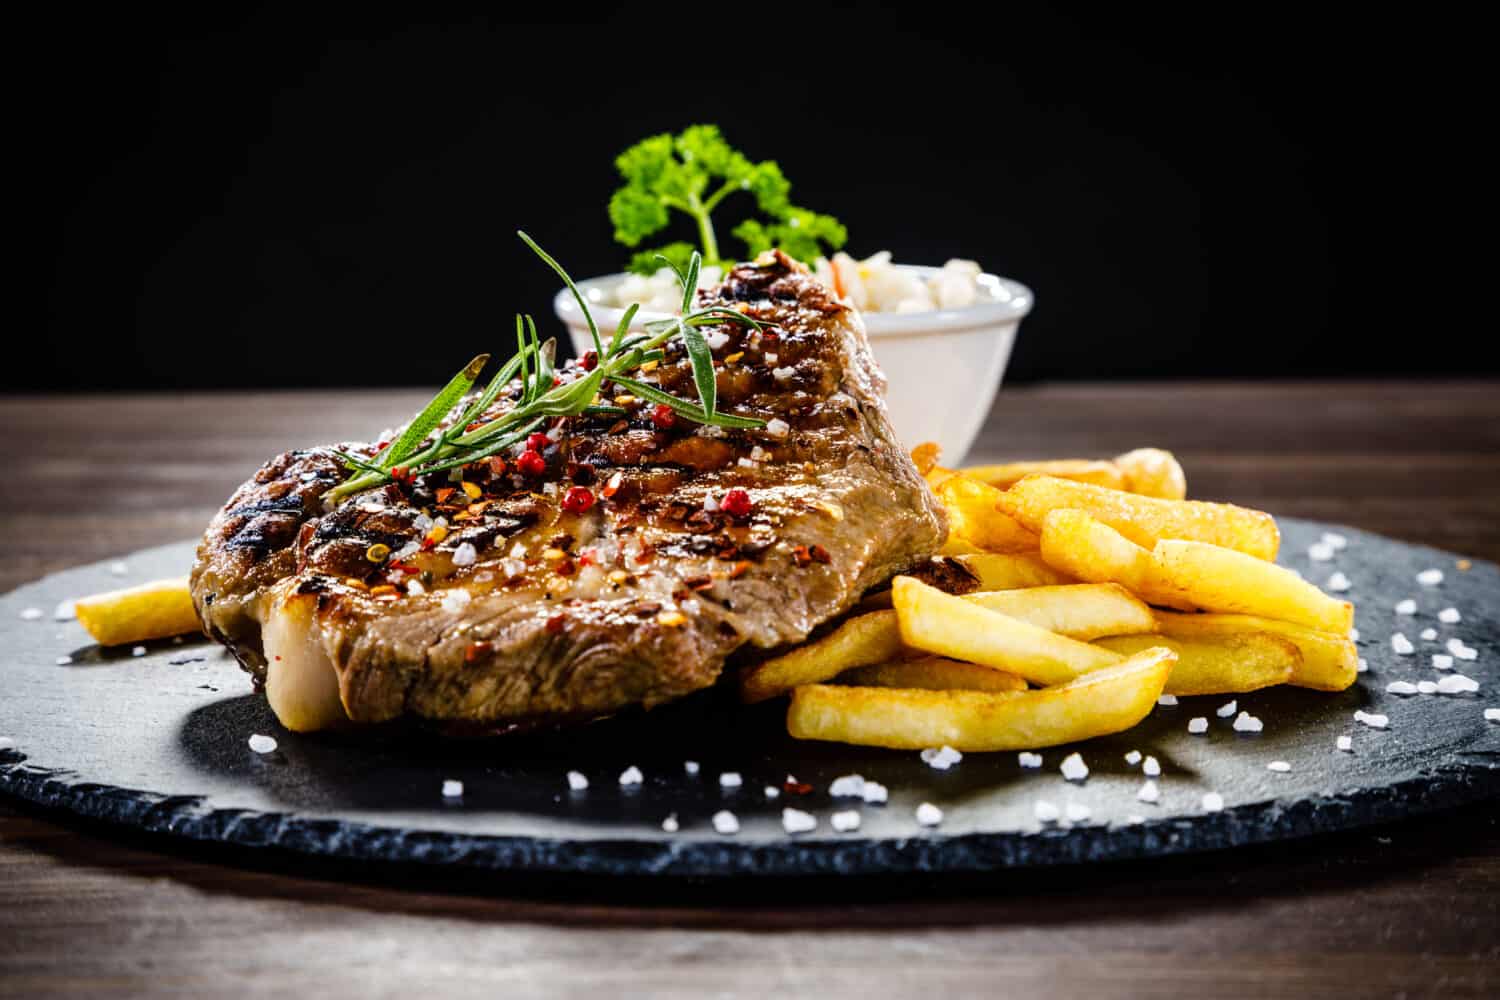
(425, 447)
(692, 173)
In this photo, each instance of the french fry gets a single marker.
(1106, 474)
(974, 518)
(1108, 700)
(1218, 579)
(925, 457)
(1011, 571)
(936, 622)
(1080, 610)
(1328, 662)
(153, 610)
(1076, 544)
(859, 641)
(933, 673)
(1232, 663)
(1144, 520)
(1152, 472)
(937, 475)
(956, 546)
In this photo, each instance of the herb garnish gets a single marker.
(665, 173)
(411, 454)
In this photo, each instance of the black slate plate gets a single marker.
(159, 741)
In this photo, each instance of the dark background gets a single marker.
(290, 199)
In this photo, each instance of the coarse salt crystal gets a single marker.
(844, 821)
(875, 793)
(1334, 540)
(1402, 645)
(414, 588)
(725, 822)
(262, 744)
(1406, 607)
(1078, 812)
(772, 792)
(6, 743)
(1213, 802)
(1492, 715)
(1198, 726)
(31, 614)
(1457, 684)
(1345, 743)
(1247, 723)
(63, 661)
(1073, 768)
(1151, 768)
(465, 554)
(118, 567)
(1320, 552)
(631, 776)
(1427, 687)
(1167, 700)
(1029, 759)
(138, 651)
(1279, 766)
(942, 758)
(730, 779)
(1430, 577)
(778, 428)
(1400, 687)
(1227, 709)
(1149, 792)
(1372, 719)
(1353, 634)
(797, 821)
(716, 339)
(455, 599)
(1449, 616)
(690, 766)
(847, 786)
(670, 824)
(1429, 634)
(1338, 583)
(577, 781)
(1135, 819)
(1361, 665)
(453, 789)
(1133, 757)
(1046, 812)
(1458, 649)
(759, 454)
(929, 814)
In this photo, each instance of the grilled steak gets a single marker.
(488, 602)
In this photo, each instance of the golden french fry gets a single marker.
(1328, 662)
(1079, 610)
(1108, 700)
(1080, 470)
(936, 622)
(153, 610)
(925, 457)
(1144, 520)
(858, 642)
(1218, 579)
(956, 546)
(1152, 472)
(974, 518)
(937, 476)
(1233, 663)
(1011, 571)
(933, 673)
(1076, 544)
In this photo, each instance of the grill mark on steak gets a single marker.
(638, 600)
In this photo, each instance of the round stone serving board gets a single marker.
(160, 742)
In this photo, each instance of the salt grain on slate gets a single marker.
(1213, 802)
(1402, 645)
(6, 743)
(1078, 812)
(1449, 616)
(1401, 687)
(63, 661)
(1133, 758)
(577, 782)
(1167, 700)
(1149, 792)
(1427, 687)
(1492, 715)
(1430, 577)
(1046, 812)
(847, 786)
(453, 789)
(796, 821)
(66, 612)
(730, 779)
(1135, 819)
(670, 824)
(1152, 768)
(1353, 635)
(941, 758)
(1406, 607)
(1338, 583)
(845, 821)
(1227, 709)
(725, 822)
(1372, 719)
(1457, 648)
(118, 568)
(1362, 666)
(929, 814)
(1198, 726)
(772, 792)
(1073, 768)
(262, 744)
(1028, 759)
(690, 766)
(1320, 552)
(631, 776)
(1457, 684)
(875, 793)
(1428, 634)
(31, 614)
(1346, 744)
(138, 651)
(1279, 766)
(1334, 540)
(1247, 723)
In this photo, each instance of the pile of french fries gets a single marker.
(1100, 588)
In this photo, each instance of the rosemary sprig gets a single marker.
(412, 454)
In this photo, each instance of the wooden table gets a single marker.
(1411, 909)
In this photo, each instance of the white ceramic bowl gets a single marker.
(944, 367)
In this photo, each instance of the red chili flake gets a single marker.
(536, 441)
(699, 582)
(801, 556)
(475, 650)
(736, 503)
(740, 569)
(556, 381)
(555, 624)
(531, 463)
(429, 543)
(588, 557)
(769, 336)
(663, 417)
(647, 551)
(794, 787)
(590, 360)
(401, 474)
(566, 567)
(613, 486)
(497, 466)
(819, 554)
(445, 492)
(578, 499)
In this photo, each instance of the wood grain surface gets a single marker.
(1407, 910)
